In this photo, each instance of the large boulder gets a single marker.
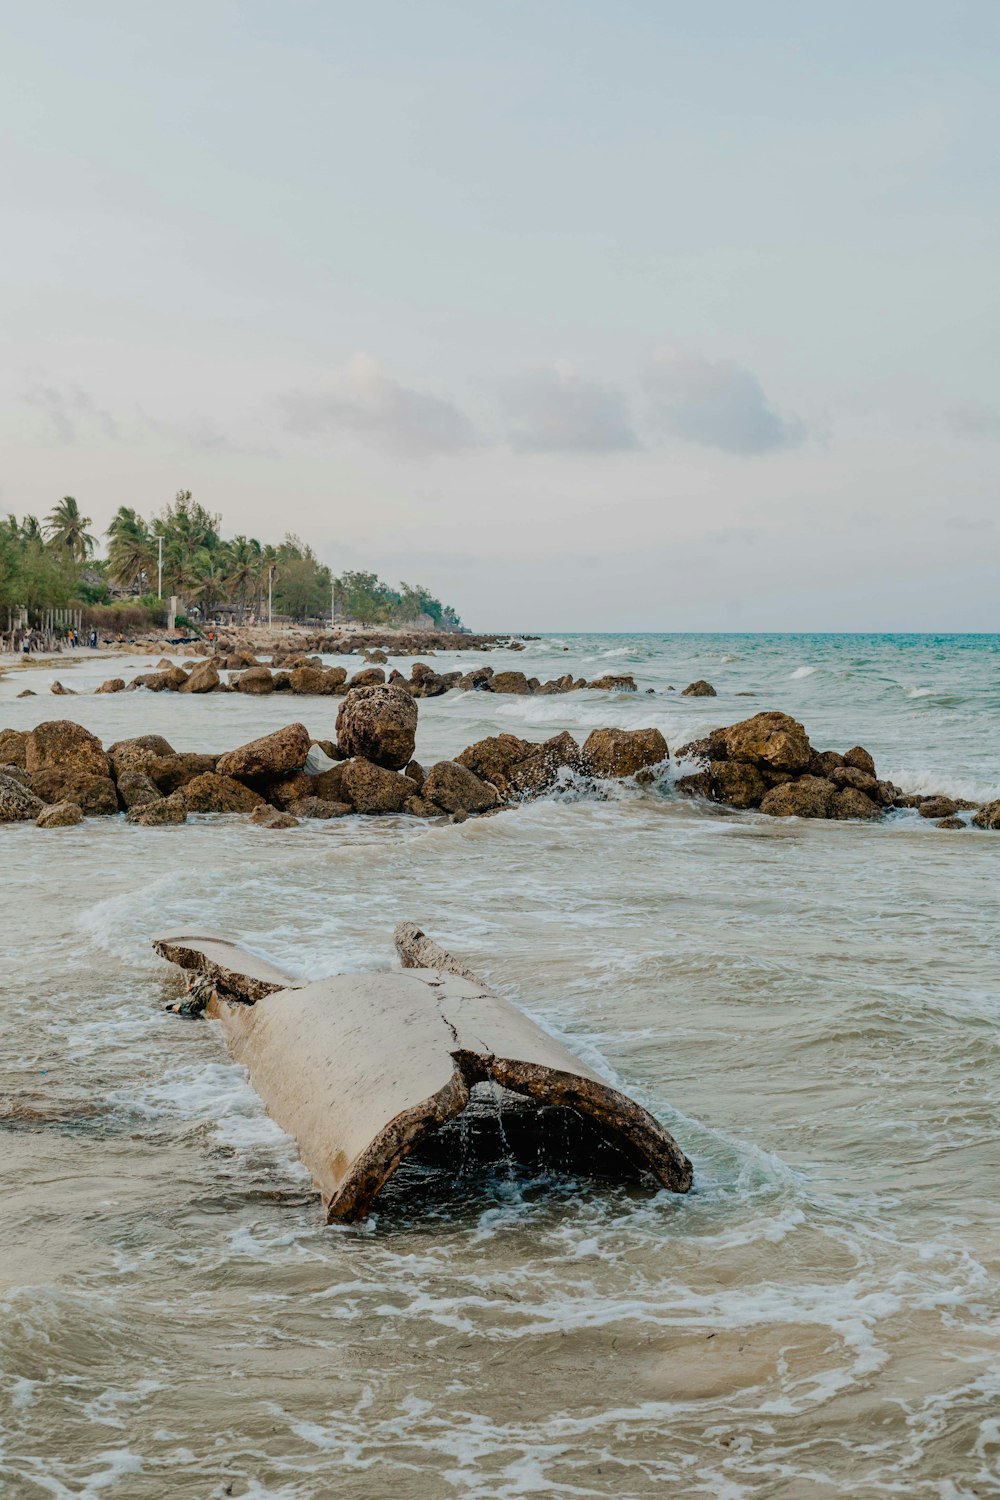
(256, 680)
(774, 740)
(374, 789)
(13, 747)
(615, 753)
(153, 682)
(510, 682)
(378, 723)
(808, 797)
(60, 815)
(317, 680)
(17, 803)
(988, 816)
(368, 677)
(112, 685)
(517, 767)
(282, 791)
(271, 755)
(134, 754)
(211, 793)
(699, 689)
(537, 771)
(860, 759)
(62, 745)
(68, 764)
(203, 679)
(454, 788)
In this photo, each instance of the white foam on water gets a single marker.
(803, 672)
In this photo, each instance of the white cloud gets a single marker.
(386, 414)
(69, 411)
(558, 410)
(718, 403)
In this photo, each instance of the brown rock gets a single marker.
(171, 772)
(623, 752)
(13, 747)
(374, 789)
(614, 683)
(271, 755)
(454, 788)
(494, 758)
(849, 803)
(376, 657)
(509, 682)
(539, 770)
(938, 807)
(415, 771)
(320, 807)
(824, 762)
(284, 790)
(479, 680)
(113, 685)
(203, 679)
(955, 823)
(256, 680)
(860, 759)
(368, 677)
(17, 803)
(697, 784)
(419, 807)
(60, 815)
(988, 816)
(97, 795)
(737, 783)
(699, 689)
(769, 739)
(329, 785)
(137, 789)
(131, 755)
(379, 724)
(153, 682)
(60, 744)
(212, 793)
(272, 817)
(167, 812)
(808, 797)
(62, 692)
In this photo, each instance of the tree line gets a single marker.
(52, 564)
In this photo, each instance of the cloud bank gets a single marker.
(382, 412)
(558, 410)
(717, 403)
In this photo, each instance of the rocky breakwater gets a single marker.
(59, 772)
(767, 763)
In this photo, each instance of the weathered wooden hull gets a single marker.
(361, 1068)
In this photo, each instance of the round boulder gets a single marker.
(378, 723)
(62, 815)
(272, 755)
(454, 788)
(611, 753)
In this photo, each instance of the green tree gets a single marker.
(66, 528)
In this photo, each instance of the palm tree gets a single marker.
(244, 563)
(132, 553)
(67, 529)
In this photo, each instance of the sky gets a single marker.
(624, 316)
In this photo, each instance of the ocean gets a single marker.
(811, 1008)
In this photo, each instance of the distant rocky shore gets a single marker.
(58, 773)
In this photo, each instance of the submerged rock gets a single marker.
(112, 685)
(614, 683)
(699, 689)
(272, 817)
(165, 813)
(988, 816)
(938, 807)
(320, 807)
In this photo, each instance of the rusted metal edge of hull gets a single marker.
(361, 1069)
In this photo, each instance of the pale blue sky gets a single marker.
(587, 315)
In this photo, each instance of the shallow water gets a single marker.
(810, 1008)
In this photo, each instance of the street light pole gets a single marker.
(270, 580)
(159, 570)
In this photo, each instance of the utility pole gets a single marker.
(159, 570)
(270, 580)
(333, 597)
